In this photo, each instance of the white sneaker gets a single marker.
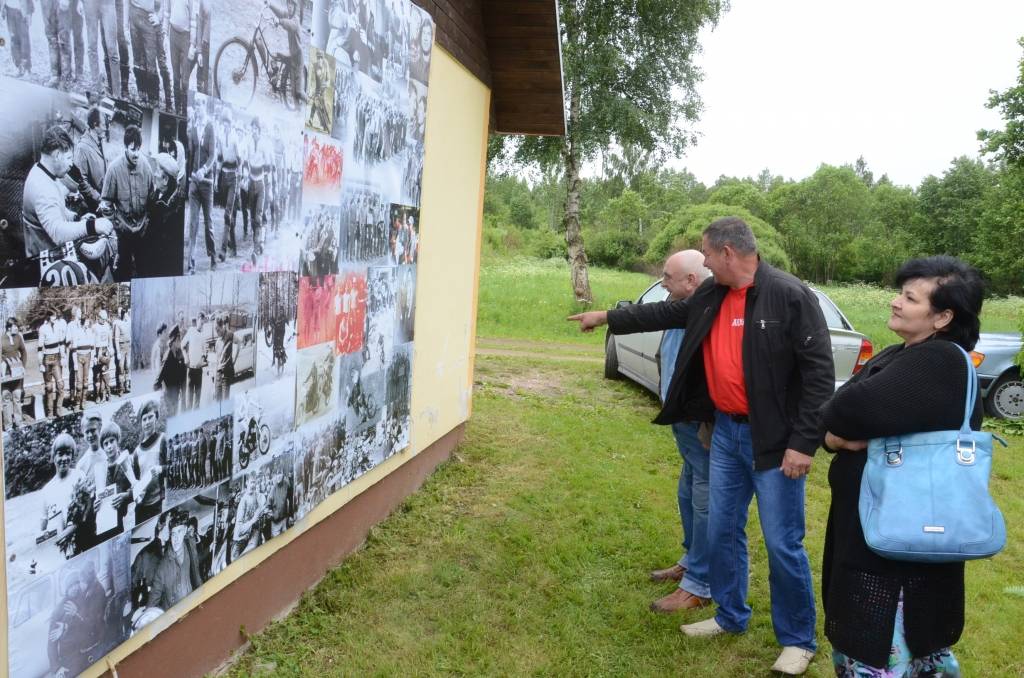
(793, 661)
(702, 629)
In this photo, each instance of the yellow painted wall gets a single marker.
(450, 221)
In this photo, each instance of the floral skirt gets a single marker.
(902, 664)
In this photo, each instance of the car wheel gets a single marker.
(611, 359)
(1006, 397)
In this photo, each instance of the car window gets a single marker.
(655, 293)
(833, 318)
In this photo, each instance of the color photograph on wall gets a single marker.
(207, 289)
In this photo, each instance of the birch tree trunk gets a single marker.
(571, 222)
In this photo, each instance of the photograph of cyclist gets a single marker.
(65, 170)
(256, 54)
(320, 240)
(253, 195)
(276, 328)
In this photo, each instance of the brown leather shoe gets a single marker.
(674, 573)
(679, 600)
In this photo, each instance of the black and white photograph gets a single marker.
(64, 621)
(92, 190)
(257, 506)
(172, 555)
(320, 92)
(277, 326)
(361, 393)
(320, 241)
(380, 318)
(194, 338)
(63, 349)
(256, 55)
(405, 303)
(318, 462)
(264, 416)
(76, 481)
(397, 398)
(315, 391)
(199, 452)
(143, 52)
(365, 233)
(404, 237)
(244, 208)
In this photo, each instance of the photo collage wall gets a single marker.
(209, 231)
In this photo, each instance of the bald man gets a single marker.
(682, 274)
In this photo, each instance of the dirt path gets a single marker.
(542, 350)
(538, 355)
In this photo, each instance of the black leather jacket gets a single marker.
(787, 359)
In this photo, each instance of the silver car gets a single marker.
(999, 378)
(635, 356)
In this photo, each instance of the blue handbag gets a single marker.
(924, 496)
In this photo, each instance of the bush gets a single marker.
(686, 227)
(615, 249)
(544, 243)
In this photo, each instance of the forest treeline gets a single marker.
(841, 224)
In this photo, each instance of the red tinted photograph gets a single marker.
(316, 310)
(350, 307)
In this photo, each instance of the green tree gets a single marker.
(743, 193)
(629, 80)
(820, 217)
(1007, 144)
(626, 212)
(999, 250)
(950, 206)
(686, 227)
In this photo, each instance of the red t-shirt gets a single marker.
(723, 355)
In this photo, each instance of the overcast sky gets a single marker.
(790, 84)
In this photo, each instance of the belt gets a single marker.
(738, 418)
(54, 345)
(83, 348)
(229, 166)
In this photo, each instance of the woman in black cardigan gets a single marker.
(888, 618)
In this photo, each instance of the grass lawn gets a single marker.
(529, 298)
(528, 554)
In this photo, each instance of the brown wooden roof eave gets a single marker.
(525, 55)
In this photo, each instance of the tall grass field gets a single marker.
(530, 298)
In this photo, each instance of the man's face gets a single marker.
(12, 329)
(92, 433)
(62, 459)
(717, 261)
(178, 536)
(148, 424)
(62, 161)
(110, 447)
(132, 153)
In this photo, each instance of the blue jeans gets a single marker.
(780, 503)
(693, 509)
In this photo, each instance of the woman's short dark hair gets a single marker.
(959, 288)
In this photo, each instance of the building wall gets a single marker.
(451, 212)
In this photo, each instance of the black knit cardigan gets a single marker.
(901, 390)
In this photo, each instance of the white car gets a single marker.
(635, 356)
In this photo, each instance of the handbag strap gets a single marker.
(972, 390)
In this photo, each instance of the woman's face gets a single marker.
(426, 36)
(912, 315)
